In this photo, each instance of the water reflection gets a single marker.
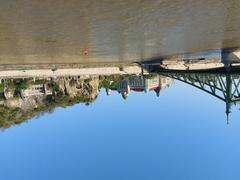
(136, 83)
(224, 86)
(35, 32)
(22, 99)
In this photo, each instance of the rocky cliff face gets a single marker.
(62, 92)
(80, 87)
(22, 99)
(87, 88)
(27, 104)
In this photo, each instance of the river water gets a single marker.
(59, 31)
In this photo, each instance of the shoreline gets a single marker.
(69, 70)
(189, 61)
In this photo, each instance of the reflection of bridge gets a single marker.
(225, 86)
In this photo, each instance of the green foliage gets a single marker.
(2, 86)
(105, 83)
(13, 116)
(22, 83)
(9, 116)
(53, 86)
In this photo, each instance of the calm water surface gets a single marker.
(58, 31)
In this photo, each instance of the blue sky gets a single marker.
(180, 135)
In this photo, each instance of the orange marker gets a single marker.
(85, 51)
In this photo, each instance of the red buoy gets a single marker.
(85, 51)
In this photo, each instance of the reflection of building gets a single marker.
(141, 83)
(36, 90)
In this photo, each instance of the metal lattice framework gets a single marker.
(225, 87)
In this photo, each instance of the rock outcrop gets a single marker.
(18, 105)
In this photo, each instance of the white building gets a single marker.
(142, 84)
(36, 90)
